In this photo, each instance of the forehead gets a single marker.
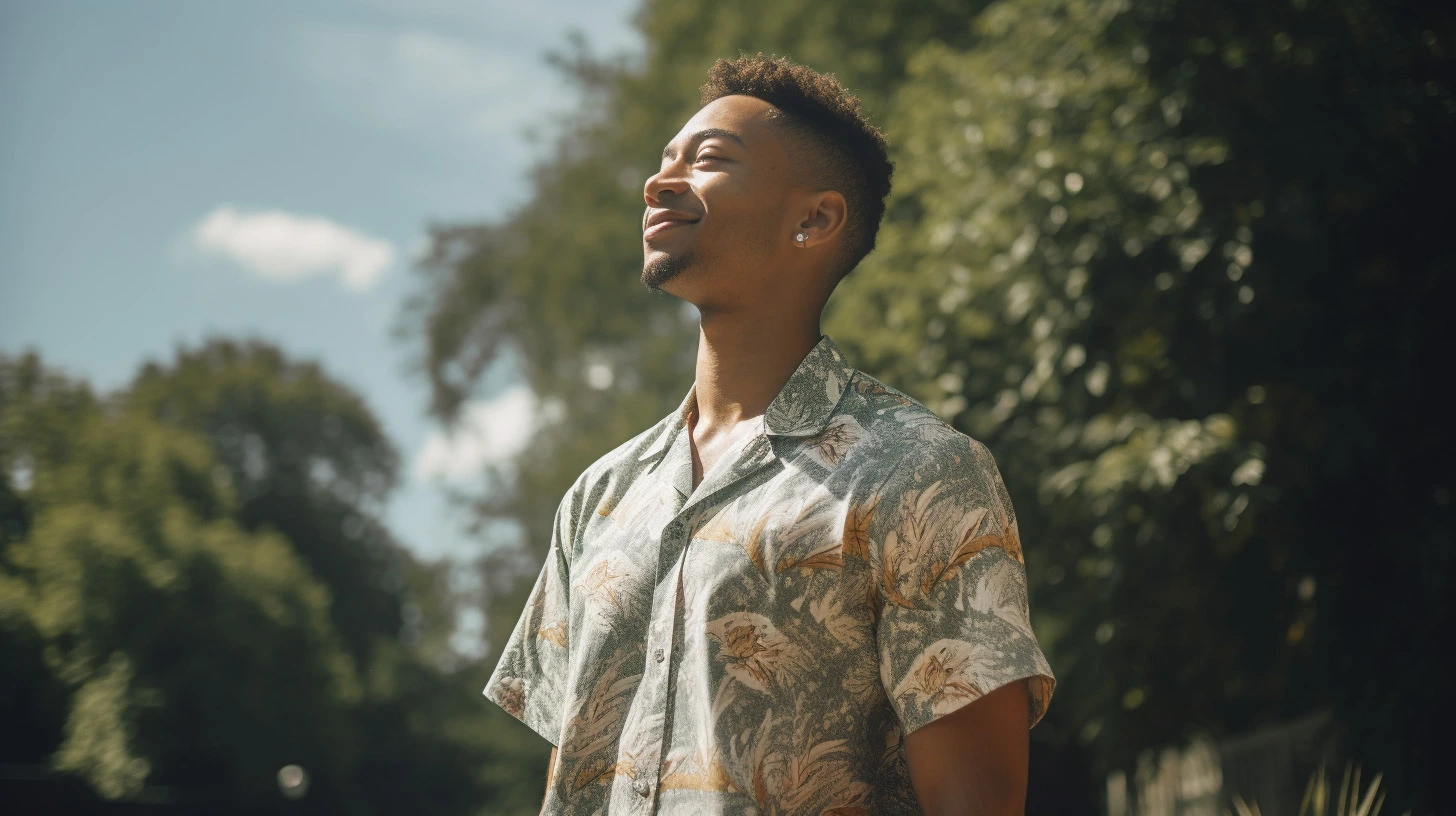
(746, 116)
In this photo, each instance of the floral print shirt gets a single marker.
(761, 644)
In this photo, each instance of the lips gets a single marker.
(662, 220)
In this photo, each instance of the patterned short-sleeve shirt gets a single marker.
(761, 644)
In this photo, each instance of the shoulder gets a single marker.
(909, 439)
(928, 474)
(620, 465)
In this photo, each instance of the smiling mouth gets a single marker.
(661, 226)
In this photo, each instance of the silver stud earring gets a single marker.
(799, 237)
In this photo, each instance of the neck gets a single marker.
(743, 362)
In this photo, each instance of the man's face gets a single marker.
(717, 204)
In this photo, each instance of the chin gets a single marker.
(660, 267)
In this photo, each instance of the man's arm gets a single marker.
(974, 760)
(550, 774)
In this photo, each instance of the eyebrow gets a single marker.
(706, 133)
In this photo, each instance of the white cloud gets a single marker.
(289, 247)
(488, 432)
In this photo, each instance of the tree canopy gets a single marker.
(196, 589)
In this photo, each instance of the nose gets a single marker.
(669, 179)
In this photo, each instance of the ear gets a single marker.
(826, 213)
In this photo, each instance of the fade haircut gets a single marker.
(825, 127)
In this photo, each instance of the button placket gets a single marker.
(657, 674)
(673, 541)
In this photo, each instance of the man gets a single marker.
(801, 591)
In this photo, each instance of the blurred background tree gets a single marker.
(1192, 434)
(1179, 264)
(196, 590)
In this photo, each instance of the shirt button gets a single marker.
(657, 655)
(642, 786)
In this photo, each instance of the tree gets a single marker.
(313, 463)
(309, 460)
(164, 637)
(151, 611)
(1079, 205)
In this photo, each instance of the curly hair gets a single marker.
(846, 153)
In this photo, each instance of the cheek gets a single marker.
(746, 215)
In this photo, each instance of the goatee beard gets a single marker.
(660, 271)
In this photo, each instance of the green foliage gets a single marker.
(307, 459)
(154, 609)
(1069, 274)
(192, 596)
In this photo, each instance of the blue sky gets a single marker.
(173, 169)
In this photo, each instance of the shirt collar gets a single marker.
(806, 402)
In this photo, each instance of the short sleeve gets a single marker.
(527, 679)
(954, 621)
